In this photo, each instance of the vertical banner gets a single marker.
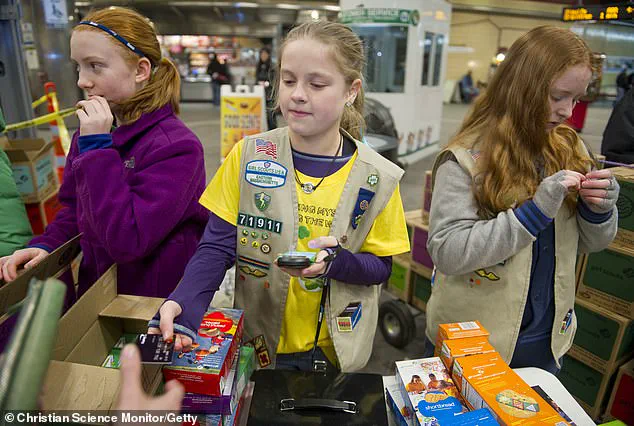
(242, 113)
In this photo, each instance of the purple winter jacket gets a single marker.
(136, 203)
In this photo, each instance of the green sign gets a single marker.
(379, 16)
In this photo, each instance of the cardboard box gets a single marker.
(459, 348)
(604, 340)
(33, 164)
(399, 282)
(394, 397)
(224, 404)
(625, 206)
(420, 254)
(428, 391)
(458, 330)
(55, 264)
(421, 288)
(581, 260)
(488, 382)
(43, 212)
(621, 404)
(589, 386)
(607, 280)
(75, 379)
(205, 368)
(427, 191)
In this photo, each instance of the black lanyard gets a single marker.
(320, 366)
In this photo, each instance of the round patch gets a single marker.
(255, 244)
(265, 248)
(254, 234)
(243, 241)
(266, 284)
(265, 235)
(245, 232)
(364, 205)
(311, 285)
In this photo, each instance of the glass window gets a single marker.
(429, 41)
(386, 53)
(438, 50)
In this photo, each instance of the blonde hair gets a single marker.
(349, 57)
(164, 84)
(508, 121)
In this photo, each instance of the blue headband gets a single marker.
(123, 41)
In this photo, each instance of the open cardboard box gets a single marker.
(75, 379)
(33, 166)
(55, 264)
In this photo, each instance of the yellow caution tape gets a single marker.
(53, 116)
(61, 126)
(38, 102)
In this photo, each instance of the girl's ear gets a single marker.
(354, 90)
(143, 70)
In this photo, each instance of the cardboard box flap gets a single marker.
(71, 386)
(81, 316)
(13, 292)
(24, 150)
(132, 307)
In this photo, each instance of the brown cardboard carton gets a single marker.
(75, 379)
(53, 265)
(625, 206)
(607, 280)
(33, 164)
(399, 283)
(621, 405)
(43, 212)
(588, 386)
(604, 340)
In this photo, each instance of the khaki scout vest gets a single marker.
(499, 305)
(264, 297)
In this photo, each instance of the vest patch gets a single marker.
(360, 206)
(488, 275)
(262, 200)
(266, 147)
(256, 222)
(253, 262)
(253, 271)
(265, 174)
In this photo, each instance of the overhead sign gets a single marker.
(379, 16)
(55, 13)
(622, 12)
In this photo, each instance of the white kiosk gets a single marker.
(406, 50)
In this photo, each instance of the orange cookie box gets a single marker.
(458, 330)
(488, 382)
(459, 348)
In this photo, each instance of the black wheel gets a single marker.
(397, 323)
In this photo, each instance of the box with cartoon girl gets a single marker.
(428, 390)
(204, 368)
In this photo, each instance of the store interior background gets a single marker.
(190, 30)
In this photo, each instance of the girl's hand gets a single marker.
(28, 256)
(319, 266)
(95, 116)
(600, 191)
(553, 190)
(131, 394)
(169, 311)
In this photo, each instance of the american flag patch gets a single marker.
(266, 147)
(474, 154)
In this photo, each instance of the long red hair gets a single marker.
(507, 124)
(164, 84)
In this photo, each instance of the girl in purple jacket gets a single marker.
(133, 190)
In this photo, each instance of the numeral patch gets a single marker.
(257, 222)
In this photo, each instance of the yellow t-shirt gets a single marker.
(387, 237)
